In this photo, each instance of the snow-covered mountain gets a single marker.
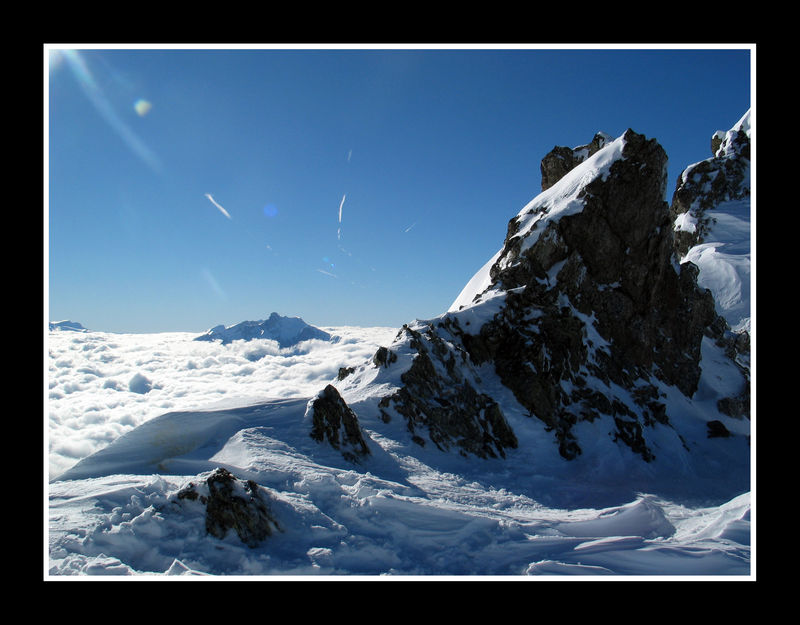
(69, 326)
(581, 409)
(287, 331)
(584, 329)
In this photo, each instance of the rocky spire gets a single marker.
(560, 159)
(710, 193)
(584, 315)
(706, 184)
(596, 302)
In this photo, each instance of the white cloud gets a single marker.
(87, 412)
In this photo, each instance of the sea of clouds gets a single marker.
(101, 385)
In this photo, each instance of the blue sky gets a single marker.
(194, 187)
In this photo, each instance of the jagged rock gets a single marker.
(233, 504)
(606, 270)
(438, 401)
(384, 357)
(561, 160)
(704, 185)
(702, 190)
(344, 372)
(584, 315)
(334, 421)
(737, 407)
(717, 429)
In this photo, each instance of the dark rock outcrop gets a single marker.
(706, 184)
(384, 357)
(439, 403)
(702, 188)
(596, 302)
(595, 316)
(344, 372)
(233, 504)
(584, 316)
(333, 421)
(561, 160)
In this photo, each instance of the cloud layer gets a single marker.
(101, 385)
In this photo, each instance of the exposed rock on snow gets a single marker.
(710, 212)
(334, 421)
(384, 357)
(232, 504)
(583, 315)
(703, 186)
(437, 397)
(561, 160)
(287, 331)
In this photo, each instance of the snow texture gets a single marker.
(119, 459)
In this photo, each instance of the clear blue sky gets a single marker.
(190, 188)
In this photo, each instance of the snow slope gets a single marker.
(402, 512)
(724, 255)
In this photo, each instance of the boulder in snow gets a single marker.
(233, 504)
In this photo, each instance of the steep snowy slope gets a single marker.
(711, 209)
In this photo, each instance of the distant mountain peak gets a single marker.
(72, 326)
(287, 331)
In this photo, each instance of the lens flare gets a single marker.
(270, 210)
(106, 109)
(142, 107)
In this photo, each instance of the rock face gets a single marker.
(233, 504)
(561, 159)
(595, 303)
(437, 398)
(333, 421)
(584, 316)
(712, 193)
(287, 331)
(707, 184)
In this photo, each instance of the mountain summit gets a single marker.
(584, 324)
(287, 331)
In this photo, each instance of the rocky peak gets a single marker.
(593, 299)
(333, 421)
(710, 215)
(706, 184)
(438, 398)
(583, 315)
(561, 160)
